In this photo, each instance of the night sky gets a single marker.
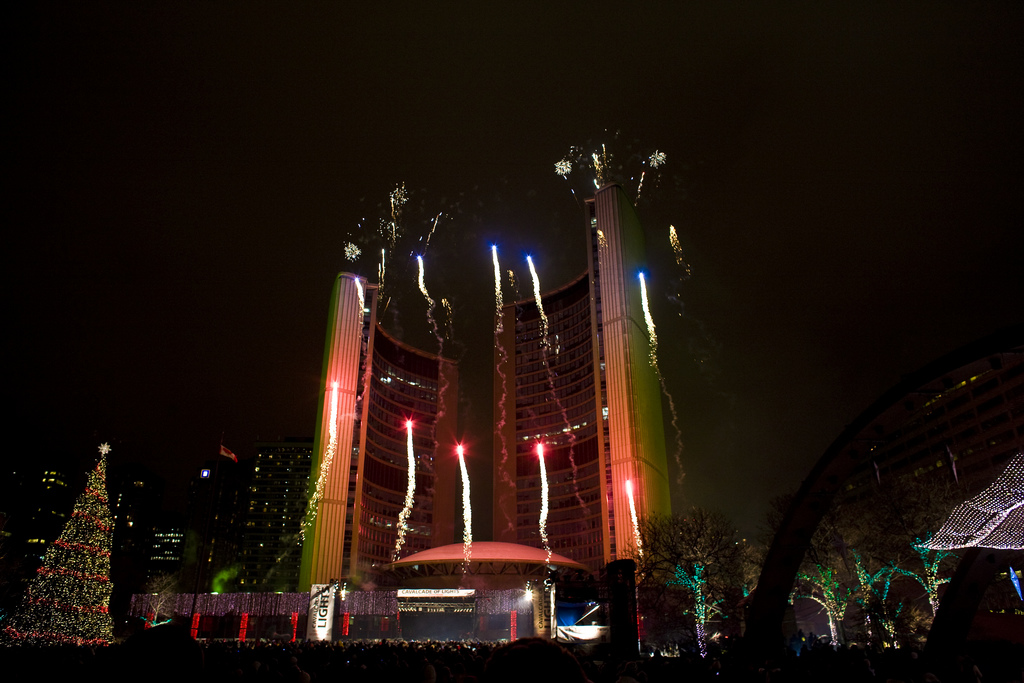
(846, 183)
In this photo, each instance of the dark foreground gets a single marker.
(169, 654)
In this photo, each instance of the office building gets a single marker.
(586, 390)
(372, 387)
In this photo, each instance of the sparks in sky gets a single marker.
(653, 343)
(352, 252)
(640, 186)
(543, 502)
(499, 328)
(657, 159)
(410, 491)
(442, 376)
(513, 284)
(467, 510)
(544, 346)
(677, 248)
(362, 296)
(601, 166)
(398, 199)
(636, 520)
(652, 336)
(540, 304)
(325, 462)
(431, 233)
(677, 251)
(563, 167)
(449, 326)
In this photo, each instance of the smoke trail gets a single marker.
(551, 385)
(543, 502)
(653, 339)
(410, 491)
(636, 521)
(467, 512)
(499, 328)
(325, 463)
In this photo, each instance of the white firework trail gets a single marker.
(499, 328)
(640, 186)
(441, 377)
(514, 285)
(653, 343)
(325, 462)
(410, 493)
(636, 520)
(432, 229)
(543, 503)
(467, 510)
(551, 383)
(540, 304)
(362, 297)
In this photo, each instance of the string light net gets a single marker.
(992, 519)
(68, 600)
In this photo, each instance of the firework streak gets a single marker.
(410, 491)
(543, 502)
(653, 339)
(636, 521)
(551, 383)
(467, 511)
(499, 328)
(325, 463)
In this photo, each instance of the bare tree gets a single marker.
(691, 564)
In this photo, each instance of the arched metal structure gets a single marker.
(851, 451)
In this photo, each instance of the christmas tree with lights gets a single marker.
(68, 599)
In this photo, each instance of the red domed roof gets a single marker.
(488, 551)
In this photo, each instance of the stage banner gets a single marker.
(320, 622)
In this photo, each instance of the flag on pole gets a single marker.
(226, 452)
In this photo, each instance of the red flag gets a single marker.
(227, 453)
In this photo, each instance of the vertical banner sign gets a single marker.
(242, 626)
(344, 624)
(195, 625)
(512, 626)
(295, 625)
(320, 624)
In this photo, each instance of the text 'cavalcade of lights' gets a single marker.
(467, 510)
(410, 491)
(543, 502)
(325, 462)
(636, 520)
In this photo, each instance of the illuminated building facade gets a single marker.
(588, 392)
(277, 499)
(372, 384)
